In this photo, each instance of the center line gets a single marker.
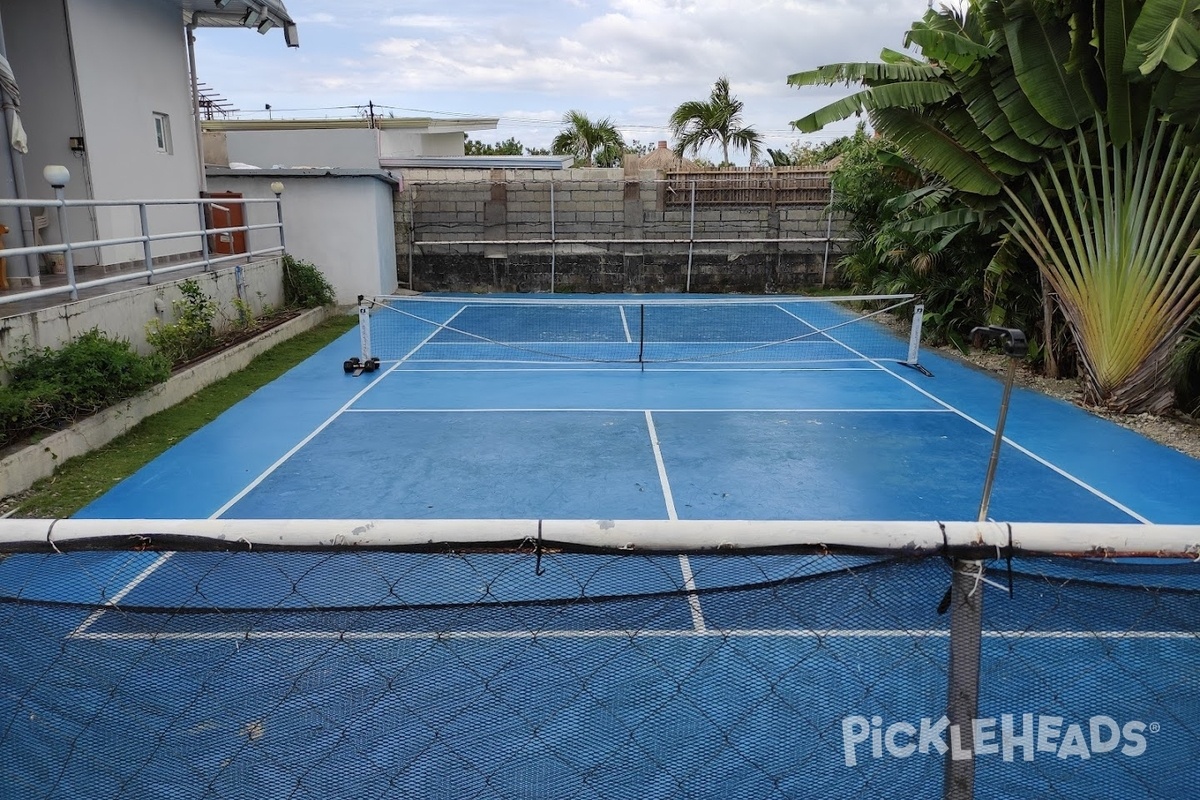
(625, 324)
(689, 579)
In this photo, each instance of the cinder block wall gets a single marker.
(480, 230)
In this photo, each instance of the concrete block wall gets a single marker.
(511, 211)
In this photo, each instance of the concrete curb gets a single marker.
(20, 470)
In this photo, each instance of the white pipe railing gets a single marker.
(204, 231)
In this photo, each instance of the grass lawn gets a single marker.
(80, 480)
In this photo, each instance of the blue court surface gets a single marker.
(610, 675)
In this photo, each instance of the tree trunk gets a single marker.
(1051, 357)
(1148, 390)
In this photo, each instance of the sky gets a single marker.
(528, 63)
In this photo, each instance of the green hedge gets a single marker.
(52, 388)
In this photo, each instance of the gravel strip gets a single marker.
(1177, 430)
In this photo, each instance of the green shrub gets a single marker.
(192, 333)
(51, 388)
(304, 285)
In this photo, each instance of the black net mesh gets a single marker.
(608, 675)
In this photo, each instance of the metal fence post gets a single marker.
(966, 606)
(553, 259)
(828, 232)
(691, 238)
(146, 249)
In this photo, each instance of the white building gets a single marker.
(107, 89)
(359, 143)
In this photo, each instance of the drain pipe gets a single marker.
(191, 48)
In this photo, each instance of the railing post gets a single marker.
(277, 188)
(146, 250)
(204, 235)
(65, 235)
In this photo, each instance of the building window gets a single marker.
(162, 132)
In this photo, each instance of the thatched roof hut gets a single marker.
(664, 159)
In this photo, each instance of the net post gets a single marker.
(364, 328)
(914, 335)
(642, 335)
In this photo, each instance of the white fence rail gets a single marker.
(204, 232)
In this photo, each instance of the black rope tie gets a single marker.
(537, 553)
(944, 605)
(1008, 559)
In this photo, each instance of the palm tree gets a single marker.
(592, 143)
(699, 123)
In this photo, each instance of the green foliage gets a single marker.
(901, 245)
(696, 124)
(593, 143)
(509, 147)
(192, 333)
(999, 87)
(81, 480)
(1185, 368)
(807, 154)
(305, 286)
(51, 388)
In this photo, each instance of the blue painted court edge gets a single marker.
(680, 676)
(203, 474)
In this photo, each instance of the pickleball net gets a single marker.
(582, 658)
(783, 329)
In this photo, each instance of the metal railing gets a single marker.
(205, 232)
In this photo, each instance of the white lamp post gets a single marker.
(58, 177)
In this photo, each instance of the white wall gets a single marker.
(399, 143)
(35, 35)
(443, 144)
(351, 148)
(341, 224)
(131, 61)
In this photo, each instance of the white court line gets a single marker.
(724, 633)
(625, 325)
(656, 410)
(148, 571)
(119, 596)
(624, 366)
(1021, 449)
(689, 580)
(332, 418)
(668, 498)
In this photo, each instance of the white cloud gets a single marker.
(631, 60)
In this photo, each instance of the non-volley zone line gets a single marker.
(565, 365)
(500, 410)
(708, 631)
